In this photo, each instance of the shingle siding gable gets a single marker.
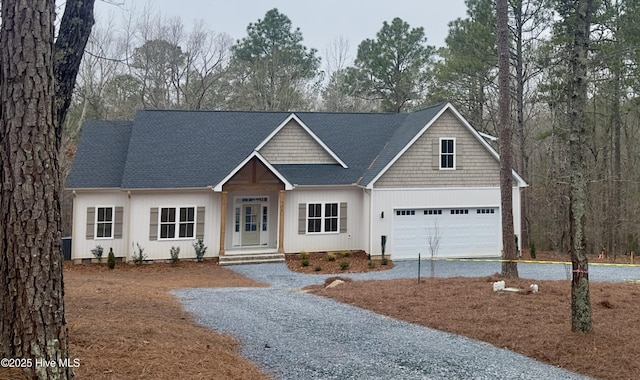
(293, 145)
(414, 169)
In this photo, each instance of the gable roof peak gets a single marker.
(296, 119)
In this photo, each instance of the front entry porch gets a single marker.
(252, 213)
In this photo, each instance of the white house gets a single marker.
(280, 182)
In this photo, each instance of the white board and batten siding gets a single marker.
(84, 234)
(354, 233)
(158, 249)
(472, 229)
(136, 209)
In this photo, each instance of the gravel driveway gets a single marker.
(294, 335)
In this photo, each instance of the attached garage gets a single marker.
(462, 232)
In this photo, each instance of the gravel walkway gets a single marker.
(294, 335)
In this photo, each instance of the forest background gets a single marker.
(149, 60)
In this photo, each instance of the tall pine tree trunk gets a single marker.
(31, 261)
(509, 265)
(579, 26)
(32, 322)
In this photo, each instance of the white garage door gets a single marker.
(462, 232)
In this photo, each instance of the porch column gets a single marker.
(281, 223)
(223, 220)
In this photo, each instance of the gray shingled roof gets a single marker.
(178, 149)
(101, 155)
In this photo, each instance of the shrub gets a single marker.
(174, 252)
(97, 252)
(344, 264)
(200, 249)
(532, 251)
(384, 261)
(371, 264)
(305, 262)
(317, 268)
(140, 256)
(111, 259)
(346, 253)
(304, 255)
(331, 257)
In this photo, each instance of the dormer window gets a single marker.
(447, 154)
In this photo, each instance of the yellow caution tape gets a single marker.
(532, 262)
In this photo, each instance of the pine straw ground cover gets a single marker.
(319, 263)
(534, 324)
(124, 324)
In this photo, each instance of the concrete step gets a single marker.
(251, 258)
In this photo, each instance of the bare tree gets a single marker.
(36, 82)
(433, 239)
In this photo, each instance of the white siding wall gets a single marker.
(141, 204)
(81, 246)
(357, 217)
(388, 200)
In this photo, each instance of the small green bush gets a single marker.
(140, 256)
(200, 249)
(346, 253)
(371, 264)
(532, 251)
(304, 255)
(344, 264)
(175, 253)
(97, 252)
(317, 268)
(331, 257)
(305, 262)
(111, 259)
(384, 261)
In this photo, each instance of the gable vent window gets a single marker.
(447, 153)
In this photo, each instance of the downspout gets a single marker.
(370, 222)
(128, 213)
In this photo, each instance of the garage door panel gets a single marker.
(464, 232)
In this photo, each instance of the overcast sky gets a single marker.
(321, 21)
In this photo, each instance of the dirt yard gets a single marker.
(124, 324)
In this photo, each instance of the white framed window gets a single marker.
(447, 153)
(323, 218)
(104, 222)
(177, 222)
